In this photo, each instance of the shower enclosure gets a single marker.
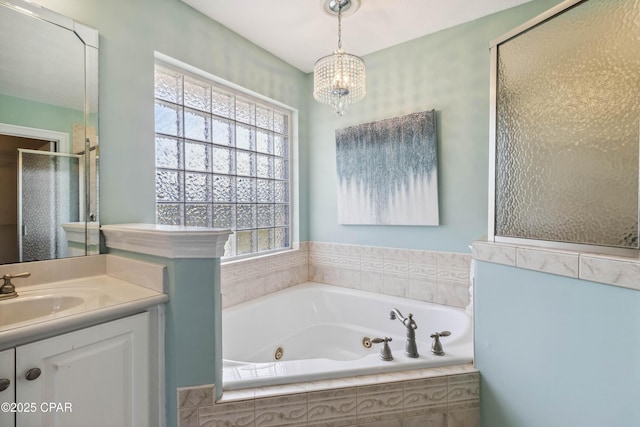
(565, 129)
(50, 192)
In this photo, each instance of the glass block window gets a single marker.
(222, 160)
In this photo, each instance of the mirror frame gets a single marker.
(90, 38)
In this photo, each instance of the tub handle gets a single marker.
(436, 347)
(385, 353)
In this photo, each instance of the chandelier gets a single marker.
(339, 78)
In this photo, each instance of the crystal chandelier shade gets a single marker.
(339, 79)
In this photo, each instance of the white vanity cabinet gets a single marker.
(93, 376)
(7, 385)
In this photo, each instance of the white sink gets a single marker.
(49, 308)
(22, 309)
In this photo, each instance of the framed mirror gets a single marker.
(49, 150)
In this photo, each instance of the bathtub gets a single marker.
(314, 331)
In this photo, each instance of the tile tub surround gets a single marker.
(438, 397)
(248, 279)
(438, 277)
(610, 270)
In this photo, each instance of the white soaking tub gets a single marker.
(314, 331)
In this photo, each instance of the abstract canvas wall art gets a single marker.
(388, 171)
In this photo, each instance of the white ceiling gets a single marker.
(300, 31)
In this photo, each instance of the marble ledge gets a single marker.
(338, 383)
(611, 270)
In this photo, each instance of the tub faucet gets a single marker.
(410, 349)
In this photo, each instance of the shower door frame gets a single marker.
(63, 145)
(53, 196)
(493, 87)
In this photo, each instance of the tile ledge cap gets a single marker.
(516, 246)
(612, 263)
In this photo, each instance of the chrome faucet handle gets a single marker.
(15, 276)
(436, 347)
(8, 290)
(385, 353)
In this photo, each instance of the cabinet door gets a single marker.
(8, 395)
(94, 376)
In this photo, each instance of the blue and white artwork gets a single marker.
(388, 171)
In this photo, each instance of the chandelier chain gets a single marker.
(340, 26)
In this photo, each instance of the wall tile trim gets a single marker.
(611, 270)
(437, 277)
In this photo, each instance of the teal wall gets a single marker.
(23, 112)
(130, 32)
(554, 351)
(193, 322)
(449, 72)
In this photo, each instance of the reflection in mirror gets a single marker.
(48, 135)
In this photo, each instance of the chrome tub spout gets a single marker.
(410, 349)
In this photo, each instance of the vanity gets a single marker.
(82, 342)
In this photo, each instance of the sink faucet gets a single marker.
(8, 290)
(410, 349)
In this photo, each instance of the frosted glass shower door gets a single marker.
(49, 194)
(567, 127)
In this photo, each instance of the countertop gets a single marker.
(103, 298)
